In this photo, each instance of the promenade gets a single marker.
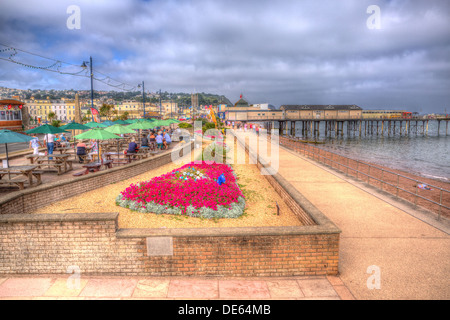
(410, 251)
(411, 255)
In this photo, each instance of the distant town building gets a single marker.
(321, 112)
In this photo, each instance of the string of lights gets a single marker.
(61, 67)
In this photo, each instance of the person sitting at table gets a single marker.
(63, 140)
(132, 147)
(144, 141)
(94, 149)
(159, 140)
(167, 140)
(81, 150)
(57, 141)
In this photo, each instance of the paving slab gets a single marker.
(193, 289)
(284, 289)
(317, 288)
(150, 288)
(25, 287)
(109, 288)
(243, 289)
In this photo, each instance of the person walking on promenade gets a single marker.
(35, 144)
(50, 141)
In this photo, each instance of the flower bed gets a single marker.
(193, 189)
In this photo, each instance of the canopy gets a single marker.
(108, 123)
(120, 122)
(142, 124)
(8, 136)
(119, 129)
(46, 128)
(75, 126)
(94, 124)
(98, 134)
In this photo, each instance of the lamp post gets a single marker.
(160, 114)
(92, 83)
(143, 96)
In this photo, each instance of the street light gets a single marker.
(143, 96)
(92, 83)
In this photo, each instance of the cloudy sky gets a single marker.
(278, 52)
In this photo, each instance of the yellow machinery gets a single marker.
(213, 116)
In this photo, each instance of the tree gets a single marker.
(124, 116)
(51, 116)
(107, 110)
(56, 123)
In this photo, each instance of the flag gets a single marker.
(95, 114)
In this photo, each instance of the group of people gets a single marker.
(160, 139)
(51, 141)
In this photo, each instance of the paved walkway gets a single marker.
(401, 256)
(125, 288)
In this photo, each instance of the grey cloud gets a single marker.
(277, 52)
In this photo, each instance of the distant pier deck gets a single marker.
(354, 127)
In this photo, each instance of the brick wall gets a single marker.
(51, 243)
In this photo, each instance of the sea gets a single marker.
(425, 155)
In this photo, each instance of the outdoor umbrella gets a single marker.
(119, 129)
(74, 126)
(141, 124)
(108, 123)
(94, 124)
(8, 136)
(46, 129)
(97, 134)
(120, 122)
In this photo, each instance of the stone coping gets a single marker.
(57, 217)
(226, 232)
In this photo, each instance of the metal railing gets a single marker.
(380, 181)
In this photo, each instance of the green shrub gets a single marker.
(184, 125)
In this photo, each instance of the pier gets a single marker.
(354, 127)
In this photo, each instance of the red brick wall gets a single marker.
(50, 243)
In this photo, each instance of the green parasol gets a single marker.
(75, 126)
(141, 124)
(94, 124)
(8, 136)
(97, 134)
(119, 129)
(46, 129)
(108, 123)
(120, 122)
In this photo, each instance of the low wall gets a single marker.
(52, 243)
(93, 243)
